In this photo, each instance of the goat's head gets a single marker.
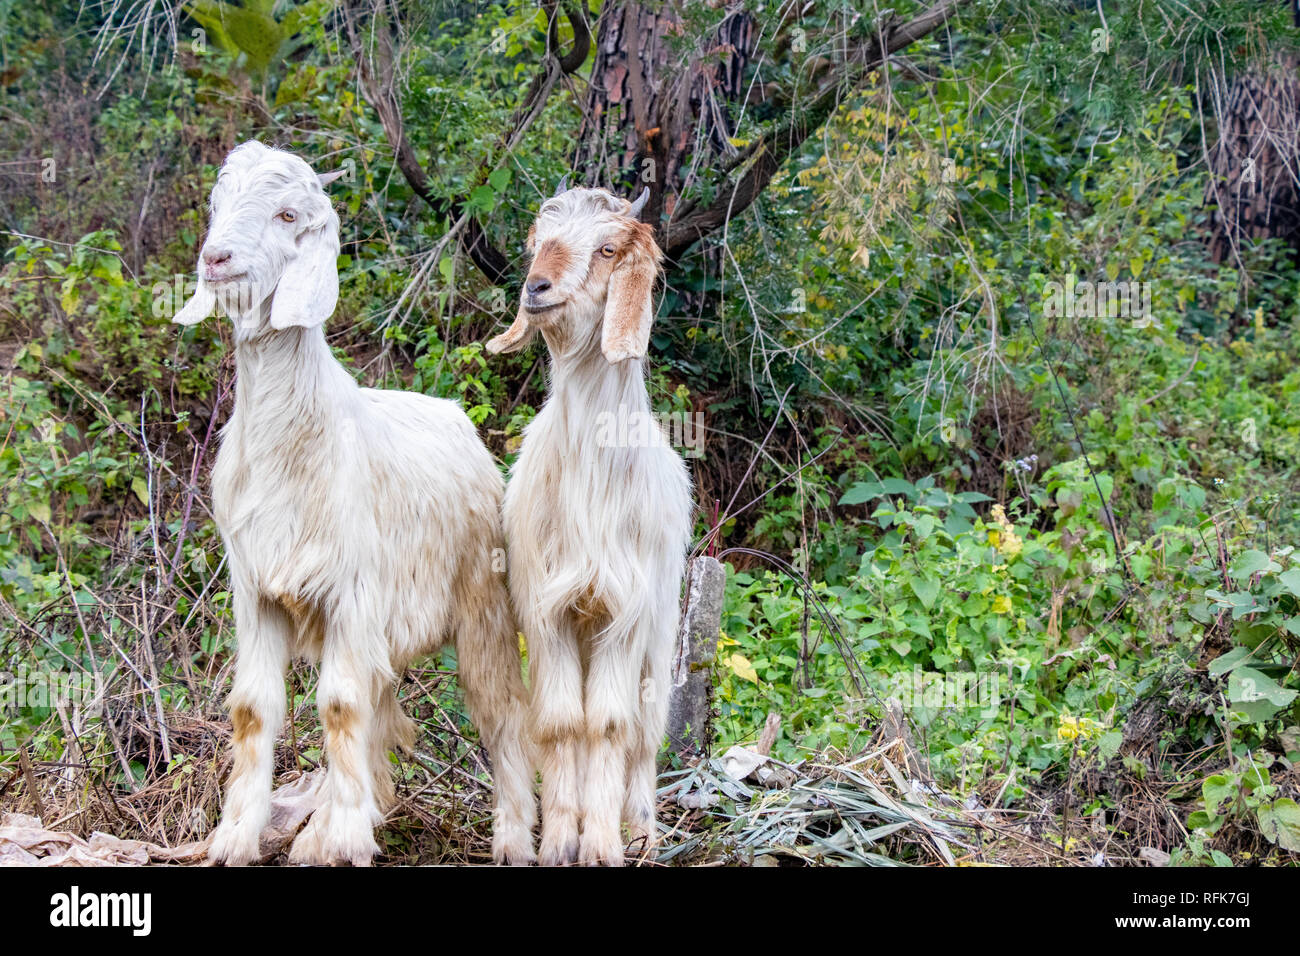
(272, 231)
(592, 275)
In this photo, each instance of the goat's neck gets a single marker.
(288, 378)
(586, 385)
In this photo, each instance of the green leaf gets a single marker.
(141, 489)
(1217, 789)
(927, 589)
(1252, 562)
(1108, 744)
(1280, 823)
(1256, 695)
(1226, 662)
(864, 491)
(1291, 580)
(482, 198)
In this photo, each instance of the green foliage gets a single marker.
(1028, 527)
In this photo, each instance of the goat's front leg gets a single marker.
(257, 704)
(610, 708)
(343, 829)
(555, 668)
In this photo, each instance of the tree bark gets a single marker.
(659, 110)
(690, 695)
(658, 101)
(1254, 185)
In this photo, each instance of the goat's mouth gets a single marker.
(221, 278)
(533, 309)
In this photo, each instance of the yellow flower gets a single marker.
(1002, 604)
(1071, 728)
(1005, 540)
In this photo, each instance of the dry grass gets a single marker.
(833, 810)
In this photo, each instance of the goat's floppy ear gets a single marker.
(629, 307)
(198, 308)
(514, 338)
(521, 331)
(309, 289)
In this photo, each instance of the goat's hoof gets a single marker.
(558, 850)
(513, 846)
(601, 849)
(341, 836)
(234, 843)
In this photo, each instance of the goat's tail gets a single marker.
(491, 675)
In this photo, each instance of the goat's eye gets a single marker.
(607, 251)
(287, 215)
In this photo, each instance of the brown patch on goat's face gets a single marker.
(551, 264)
(552, 261)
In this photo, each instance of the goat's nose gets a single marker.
(535, 286)
(214, 257)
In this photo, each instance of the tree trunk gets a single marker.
(1254, 182)
(659, 101)
(690, 696)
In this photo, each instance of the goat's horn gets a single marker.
(634, 210)
(563, 186)
(327, 178)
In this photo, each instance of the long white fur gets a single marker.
(597, 531)
(360, 527)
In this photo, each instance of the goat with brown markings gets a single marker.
(597, 529)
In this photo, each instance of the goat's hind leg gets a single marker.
(647, 735)
(491, 676)
(394, 730)
(257, 704)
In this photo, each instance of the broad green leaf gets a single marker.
(1251, 562)
(1280, 823)
(1256, 695)
(1290, 579)
(927, 589)
(1216, 789)
(1226, 662)
(141, 489)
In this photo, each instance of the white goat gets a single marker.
(360, 527)
(597, 529)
